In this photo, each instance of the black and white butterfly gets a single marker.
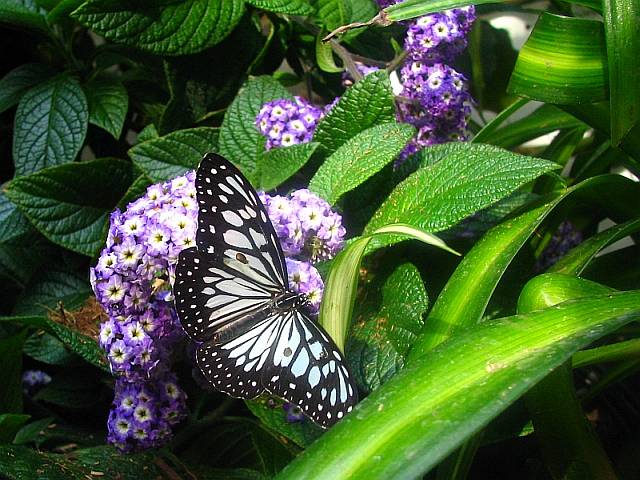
(232, 295)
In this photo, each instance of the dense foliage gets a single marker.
(445, 190)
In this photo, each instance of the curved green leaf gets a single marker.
(492, 365)
(18, 81)
(108, 104)
(574, 73)
(359, 158)
(278, 164)
(167, 28)
(70, 204)
(50, 125)
(163, 158)
(240, 141)
(347, 118)
(23, 13)
(332, 13)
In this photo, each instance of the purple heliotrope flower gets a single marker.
(34, 380)
(287, 122)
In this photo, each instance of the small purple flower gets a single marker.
(305, 279)
(293, 413)
(288, 122)
(34, 380)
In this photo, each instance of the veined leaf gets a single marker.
(50, 125)
(108, 104)
(332, 13)
(359, 158)
(18, 81)
(163, 158)
(492, 365)
(70, 204)
(278, 164)
(23, 13)
(290, 7)
(167, 28)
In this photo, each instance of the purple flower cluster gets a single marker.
(142, 414)
(308, 231)
(439, 37)
(563, 240)
(132, 283)
(33, 380)
(434, 99)
(288, 122)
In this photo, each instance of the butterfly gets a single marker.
(232, 295)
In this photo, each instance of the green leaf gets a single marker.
(81, 344)
(359, 158)
(575, 73)
(50, 125)
(23, 13)
(108, 104)
(70, 391)
(11, 367)
(135, 191)
(492, 365)
(33, 432)
(70, 204)
(332, 13)
(274, 418)
(382, 334)
(461, 183)
(349, 116)
(167, 157)
(290, 7)
(240, 141)
(51, 287)
(10, 423)
(62, 9)
(15, 83)
(166, 28)
(621, 20)
(324, 55)
(46, 348)
(278, 164)
(341, 285)
(616, 352)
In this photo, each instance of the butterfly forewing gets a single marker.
(233, 224)
(286, 355)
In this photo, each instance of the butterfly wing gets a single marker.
(233, 224)
(286, 355)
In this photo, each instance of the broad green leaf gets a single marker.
(50, 125)
(10, 423)
(62, 9)
(290, 7)
(575, 73)
(569, 445)
(545, 119)
(332, 13)
(46, 348)
(463, 300)
(492, 365)
(341, 285)
(11, 367)
(240, 141)
(147, 133)
(383, 332)
(616, 352)
(278, 164)
(368, 103)
(302, 434)
(485, 134)
(622, 30)
(439, 196)
(108, 104)
(23, 13)
(166, 28)
(32, 432)
(174, 154)
(70, 204)
(18, 81)
(359, 158)
(50, 288)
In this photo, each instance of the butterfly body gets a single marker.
(232, 294)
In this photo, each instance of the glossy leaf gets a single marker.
(575, 73)
(621, 24)
(50, 125)
(70, 204)
(167, 28)
(348, 117)
(50, 288)
(324, 56)
(332, 13)
(46, 348)
(23, 13)
(290, 7)
(493, 366)
(240, 141)
(108, 104)
(166, 157)
(359, 158)
(616, 352)
(461, 183)
(279, 164)
(18, 81)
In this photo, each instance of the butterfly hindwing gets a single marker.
(233, 224)
(288, 356)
